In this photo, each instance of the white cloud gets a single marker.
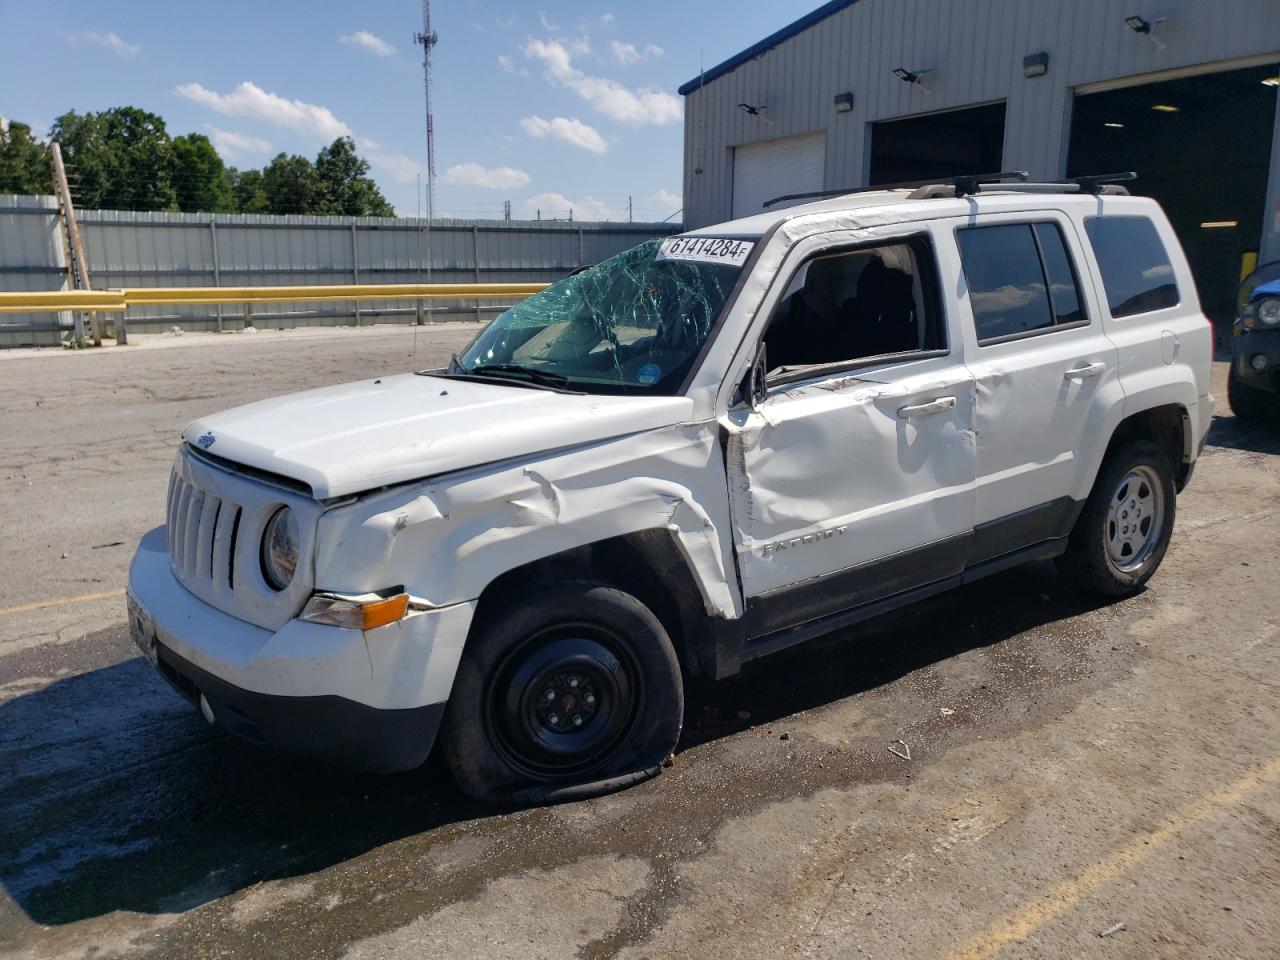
(635, 107)
(627, 53)
(566, 129)
(374, 44)
(556, 206)
(250, 100)
(508, 65)
(547, 25)
(606, 18)
(398, 166)
(664, 200)
(232, 144)
(502, 24)
(111, 41)
(488, 178)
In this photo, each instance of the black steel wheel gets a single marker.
(563, 698)
(565, 690)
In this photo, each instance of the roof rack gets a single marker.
(1099, 183)
(961, 184)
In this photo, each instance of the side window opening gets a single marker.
(1135, 267)
(854, 305)
(1020, 278)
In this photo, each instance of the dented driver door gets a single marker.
(860, 485)
(852, 473)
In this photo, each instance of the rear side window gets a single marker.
(1135, 267)
(1020, 279)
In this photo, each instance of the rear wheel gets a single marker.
(568, 690)
(1249, 404)
(1124, 529)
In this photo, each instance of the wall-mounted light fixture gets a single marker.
(1035, 64)
(843, 102)
(748, 108)
(1145, 28)
(914, 77)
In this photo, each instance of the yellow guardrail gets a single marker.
(116, 301)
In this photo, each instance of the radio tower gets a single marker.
(428, 39)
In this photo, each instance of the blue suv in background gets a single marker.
(1253, 386)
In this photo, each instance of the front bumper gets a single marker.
(364, 700)
(1247, 344)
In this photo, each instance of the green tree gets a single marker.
(250, 195)
(291, 184)
(84, 152)
(345, 187)
(24, 161)
(120, 159)
(200, 178)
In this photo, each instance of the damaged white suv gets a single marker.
(698, 452)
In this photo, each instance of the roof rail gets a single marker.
(962, 184)
(1102, 183)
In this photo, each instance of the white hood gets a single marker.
(361, 436)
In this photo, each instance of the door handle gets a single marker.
(924, 409)
(1088, 370)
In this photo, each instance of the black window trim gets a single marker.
(1044, 274)
(1177, 287)
(930, 282)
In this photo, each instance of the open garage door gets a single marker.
(774, 168)
(945, 144)
(1201, 146)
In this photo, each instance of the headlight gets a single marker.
(1268, 311)
(280, 548)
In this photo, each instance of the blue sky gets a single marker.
(547, 106)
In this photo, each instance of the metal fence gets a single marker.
(128, 249)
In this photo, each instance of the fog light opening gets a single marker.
(206, 710)
(1258, 361)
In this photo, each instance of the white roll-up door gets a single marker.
(773, 168)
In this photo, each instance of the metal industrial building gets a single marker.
(863, 92)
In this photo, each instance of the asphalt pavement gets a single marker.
(1012, 769)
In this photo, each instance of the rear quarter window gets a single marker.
(1134, 264)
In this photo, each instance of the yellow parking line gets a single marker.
(45, 604)
(1020, 924)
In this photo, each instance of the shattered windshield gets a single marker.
(632, 324)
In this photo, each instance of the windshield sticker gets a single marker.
(649, 374)
(705, 250)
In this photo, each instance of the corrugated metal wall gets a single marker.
(975, 50)
(32, 257)
(126, 249)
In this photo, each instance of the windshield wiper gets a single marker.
(554, 380)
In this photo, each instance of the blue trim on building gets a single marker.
(768, 43)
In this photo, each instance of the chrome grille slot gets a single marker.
(230, 549)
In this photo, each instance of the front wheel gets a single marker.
(567, 690)
(1124, 529)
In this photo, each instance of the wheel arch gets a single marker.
(649, 564)
(1169, 426)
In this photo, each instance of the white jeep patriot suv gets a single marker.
(705, 449)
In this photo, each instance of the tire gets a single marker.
(1116, 547)
(1249, 404)
(616, 704)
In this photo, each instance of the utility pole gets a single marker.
(630, 219)
(77, 267)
